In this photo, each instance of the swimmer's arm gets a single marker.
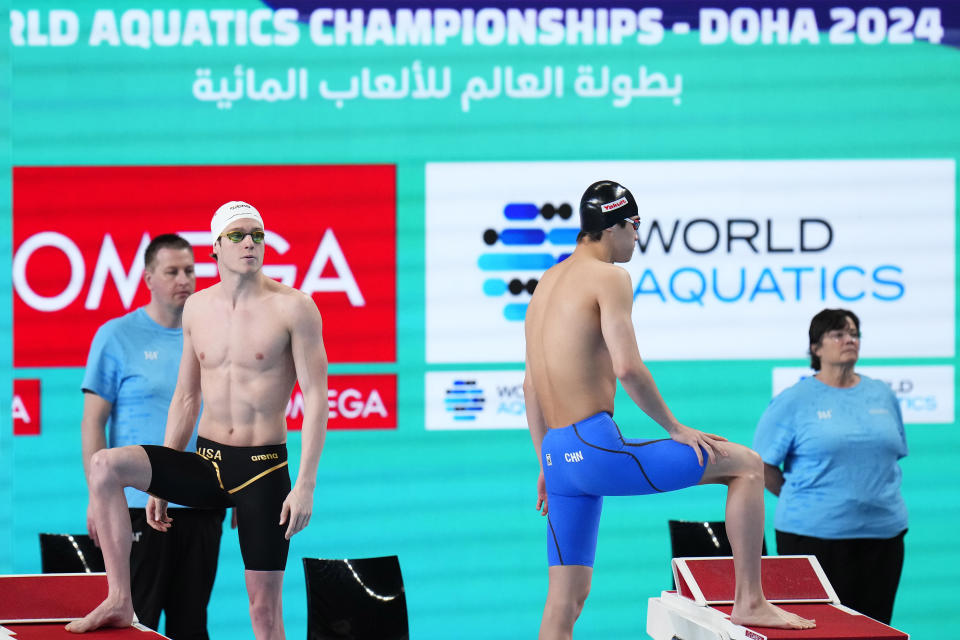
(538, 429)
(185, 404)
(310, 362)
(535, 420)
(615, 297)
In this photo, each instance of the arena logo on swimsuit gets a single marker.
(265, 456)
(79, 263)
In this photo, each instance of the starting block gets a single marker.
(700, 607)
(36, 607)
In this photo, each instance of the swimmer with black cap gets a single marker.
(604, 204)
(246, 341)
(580, 341)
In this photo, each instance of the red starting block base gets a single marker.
(36, 607)
(700, 608)
(57, 632)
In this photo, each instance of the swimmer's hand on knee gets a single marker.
(701, 442)
(296, 511)
(542, 495)
(157, 516)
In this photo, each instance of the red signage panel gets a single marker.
(26, 407)
(355, 401)
(79, 234)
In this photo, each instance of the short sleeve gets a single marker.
(104, 365)
(775, 430)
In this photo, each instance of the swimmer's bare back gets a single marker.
(568, 361)
(242, 350)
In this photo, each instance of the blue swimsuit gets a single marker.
(591, 459)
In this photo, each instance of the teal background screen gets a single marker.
(458, 506)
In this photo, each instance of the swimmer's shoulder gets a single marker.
(204, 294)
(294, 304)
(286, 294)
(587, 276)
(596, 268)
(609, 269)
(581, 267)
(604, 277)
(200, 300)
(546, 280)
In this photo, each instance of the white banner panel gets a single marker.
(475, 400)
(736, 256)
(925, 392)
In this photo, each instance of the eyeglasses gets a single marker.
(635, 223)
(839, 335)
(237, 237)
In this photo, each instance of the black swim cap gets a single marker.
(604, 204)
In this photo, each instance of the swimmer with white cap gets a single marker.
(246, 341)
(229, 213)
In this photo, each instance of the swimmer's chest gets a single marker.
(252, 340)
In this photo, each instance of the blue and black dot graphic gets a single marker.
(464, 400)
(527, 244)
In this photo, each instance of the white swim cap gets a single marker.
(231, 212)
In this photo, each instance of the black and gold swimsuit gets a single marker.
(254, 480)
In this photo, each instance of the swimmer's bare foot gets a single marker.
(110, 613)
(764, 614)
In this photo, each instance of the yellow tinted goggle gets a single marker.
(237, 236)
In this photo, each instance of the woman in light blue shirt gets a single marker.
(831, 445)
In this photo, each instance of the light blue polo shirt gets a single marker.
(133, 364)
(839, 449)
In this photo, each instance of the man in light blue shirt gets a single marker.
(129, 381)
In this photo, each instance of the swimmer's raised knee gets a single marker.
(753, 463)
(120, 466)
(744, 458)
(740, 462)
(102, 468)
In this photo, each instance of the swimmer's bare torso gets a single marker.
(243, 354)
(568, 361)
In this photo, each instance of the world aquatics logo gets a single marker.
(525, 249)
(464, 400)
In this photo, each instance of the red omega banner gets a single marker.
(355, 401)
(79, 234)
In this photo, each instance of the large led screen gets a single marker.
(419, 166)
